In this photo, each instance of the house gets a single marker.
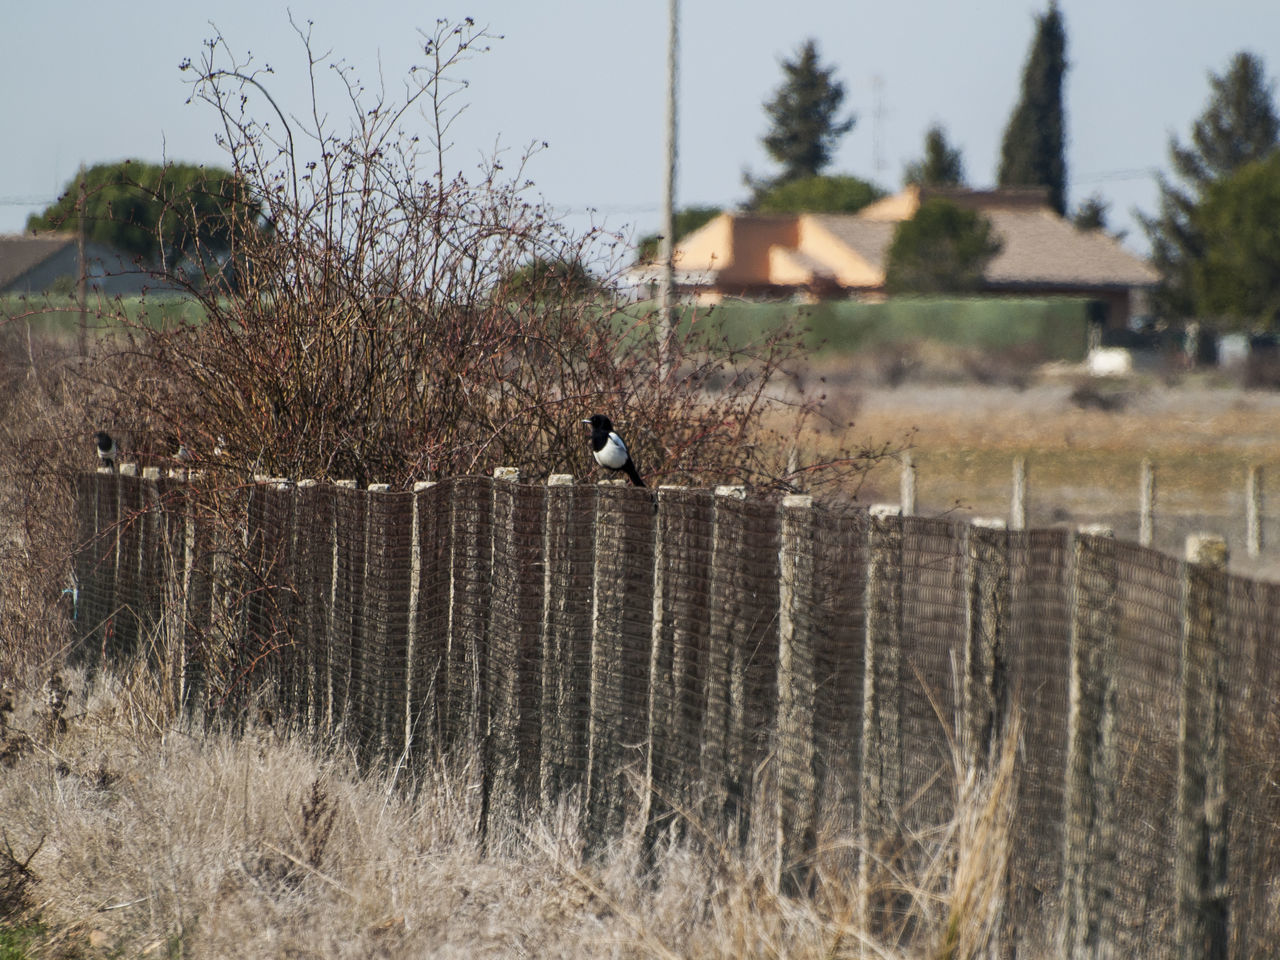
(36, 263)
(823, 255)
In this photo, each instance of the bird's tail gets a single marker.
(633, 473)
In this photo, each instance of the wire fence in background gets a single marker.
(779, 669)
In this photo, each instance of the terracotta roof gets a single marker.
(20, 253)
(1040, 248)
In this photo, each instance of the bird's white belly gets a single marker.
(612, 455)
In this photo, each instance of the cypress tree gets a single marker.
(941, 165)
(804, 126)
(1033, 153)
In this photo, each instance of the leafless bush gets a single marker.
(43, 440)
(1090, 395)
(1014, 365)
(895, 363)
(376, 318)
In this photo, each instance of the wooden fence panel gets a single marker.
(680, 640)
(776, 671)
(621, 636)
(566, 622)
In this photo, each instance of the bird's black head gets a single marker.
(599, 421)
(103, 440)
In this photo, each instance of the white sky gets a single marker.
(90, 82)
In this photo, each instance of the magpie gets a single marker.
(181, 452)
(106, 449)
(609, 449)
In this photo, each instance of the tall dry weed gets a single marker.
(160, 836)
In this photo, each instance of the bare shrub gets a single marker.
(1090, 395)
(1014, 365)
(895, 363)
(382, 318)
(376, 316)
(44, 438)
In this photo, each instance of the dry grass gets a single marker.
(1202, 434)
(148, 837)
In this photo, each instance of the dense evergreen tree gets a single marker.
(1091, 214)
(1238, 126)
(152, 211)
(1236, 283)
(944, 248)
(1033, 153)
(687, 220)
(819, 194)
(941, 165)
(804, 121)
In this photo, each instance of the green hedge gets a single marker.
(1058, 327)
(58, 316)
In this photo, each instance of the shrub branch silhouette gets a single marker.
(375, 319)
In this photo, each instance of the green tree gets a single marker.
(157, 213)
(1238, 126)
(687, 221)
(944, 248)
(941, 165)
(1033, 153)
(1237, 280)
(1091, 214)
(818, 194)
(804, 121)
(544, 277)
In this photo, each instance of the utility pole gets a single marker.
(668, 242)
(82, 283)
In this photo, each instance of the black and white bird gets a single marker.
(610, 450)
(106, 449)
(178, 450)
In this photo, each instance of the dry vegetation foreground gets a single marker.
(1084, 443)
(129, 834)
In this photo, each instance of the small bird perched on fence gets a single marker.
(610, 450)
(106, 449)
(179, 450)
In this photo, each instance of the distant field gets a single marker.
(1083, 464)
(59, 316)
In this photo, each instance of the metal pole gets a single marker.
(82, 286)
(667, 245)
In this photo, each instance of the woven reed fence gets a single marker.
(766, 664)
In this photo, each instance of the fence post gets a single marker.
(987, 582)
(721, 779)
(1089, 792)
(566, 640)
(907, 485)
(1253, 511)
(619, 693)
(514, 677)
(1018, 505)
(1201, 871)
(664, 700)
(881, 767)
(797, 691)
(411, 616)
(1146, 502)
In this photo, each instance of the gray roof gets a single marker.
(869, 239)
(1042, 248)
(22, 253)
